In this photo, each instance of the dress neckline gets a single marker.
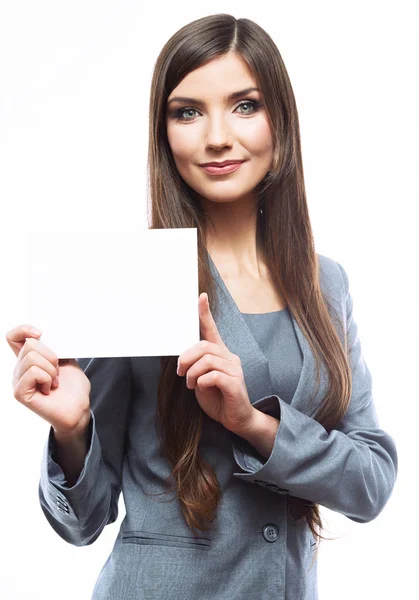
(274, 312)
(231, 297)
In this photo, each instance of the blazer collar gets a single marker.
(239, 339)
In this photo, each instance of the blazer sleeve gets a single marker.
(79, 513)
(351, 470)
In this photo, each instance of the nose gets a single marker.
(218, 134)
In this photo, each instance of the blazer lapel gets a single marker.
(239, 340)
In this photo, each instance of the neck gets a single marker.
(232, 239)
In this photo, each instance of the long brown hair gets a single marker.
(287, 237)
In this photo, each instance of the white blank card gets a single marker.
(114, 294)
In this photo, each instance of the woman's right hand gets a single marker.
(65, 406)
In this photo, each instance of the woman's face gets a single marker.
(208, 126)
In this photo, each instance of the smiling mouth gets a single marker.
(212, 170)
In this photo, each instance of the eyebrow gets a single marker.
(232, 96)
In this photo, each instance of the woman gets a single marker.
(235, 426)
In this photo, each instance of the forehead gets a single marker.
(216, 79)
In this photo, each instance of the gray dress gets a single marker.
(275, 334)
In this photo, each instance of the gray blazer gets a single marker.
(255, 551)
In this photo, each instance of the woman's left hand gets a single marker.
(216, 375)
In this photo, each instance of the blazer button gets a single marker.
(270, 532)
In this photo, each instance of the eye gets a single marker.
(254, 105)
(178, 114)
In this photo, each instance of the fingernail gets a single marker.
(35, 331)
(55, 381)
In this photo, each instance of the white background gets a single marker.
(75, 80)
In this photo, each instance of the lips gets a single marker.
(225, 170)
(221, 164)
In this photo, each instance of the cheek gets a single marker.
(259, 138)
(182, 143)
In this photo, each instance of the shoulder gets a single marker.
(334, 285)
(333, 277)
